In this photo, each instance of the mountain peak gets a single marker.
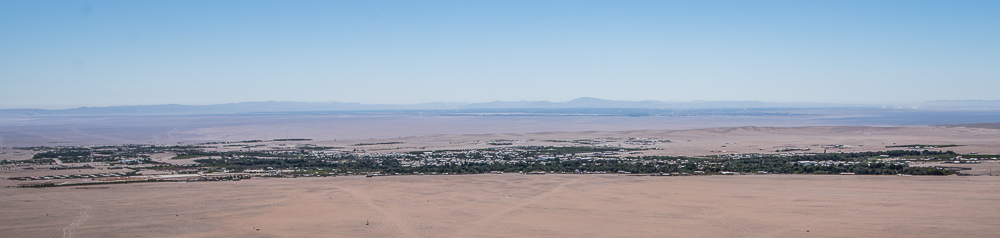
(588, 99)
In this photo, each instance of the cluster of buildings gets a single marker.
(501, 155)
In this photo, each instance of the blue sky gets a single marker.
(60, 54)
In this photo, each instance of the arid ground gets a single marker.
(553, 205)
(102, 130)
(727, 140)
(513, 205)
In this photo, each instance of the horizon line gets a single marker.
(837, 104)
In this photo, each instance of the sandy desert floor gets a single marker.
(512, 205)
(101, 130)
(690, 142)
(725, 140)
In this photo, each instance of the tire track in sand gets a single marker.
(393, 218)
(68, 230)
(497, 215)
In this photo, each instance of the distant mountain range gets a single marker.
(588, 102)
(535, 106)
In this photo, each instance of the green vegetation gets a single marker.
(314, 147)
(61, 153)
(28, 161)
(922, 146)
(199, 153)
(304, 161)
(34, 148)
(377, 143)
(459, 163)
(569, 149)
(187, 156)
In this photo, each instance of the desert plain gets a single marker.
(514, 205)
(550, 205)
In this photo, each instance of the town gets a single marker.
(217, 161)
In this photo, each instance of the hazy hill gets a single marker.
(533, 106)
(969, 104)
(589, 102)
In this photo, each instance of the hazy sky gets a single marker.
(59, 54)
